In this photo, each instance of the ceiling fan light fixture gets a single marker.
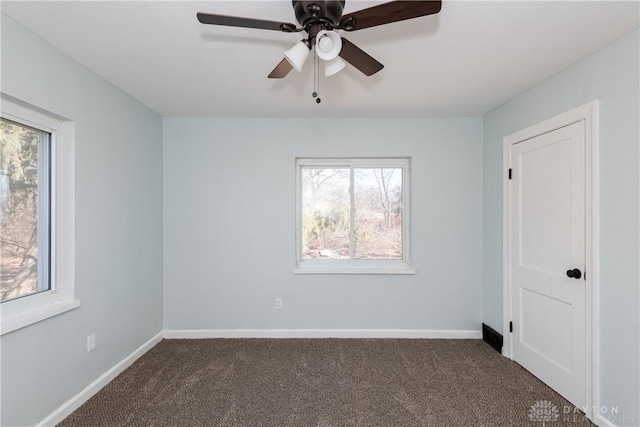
(297, 55)
(328, 45)
(334, 66)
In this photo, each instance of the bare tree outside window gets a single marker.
(378, 213)
(351, 212)
(19, 209)
(325, 213)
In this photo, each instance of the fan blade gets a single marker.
(359, 58)
(281, 70)
(233, 21)
(387, 13)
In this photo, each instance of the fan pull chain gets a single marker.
(316, 78)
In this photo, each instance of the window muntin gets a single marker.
(352, 216)
(25, 206)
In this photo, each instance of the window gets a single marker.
(25, 165)
(352, 216)
(36, 250)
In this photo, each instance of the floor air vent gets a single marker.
(492, 337)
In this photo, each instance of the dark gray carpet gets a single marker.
(323, 382)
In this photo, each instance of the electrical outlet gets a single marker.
(91, 342)
(278, 303)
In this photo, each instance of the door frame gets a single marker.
(588, 113)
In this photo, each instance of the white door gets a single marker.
(547, 193)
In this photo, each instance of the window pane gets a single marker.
(325, 213)
(23, 171)
(378, 213)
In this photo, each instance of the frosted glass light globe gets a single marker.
(325, 44)
(328, 45)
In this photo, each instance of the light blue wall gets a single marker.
(118, 150)
(229, 218)
(611, 75)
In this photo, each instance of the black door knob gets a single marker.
(575, 273)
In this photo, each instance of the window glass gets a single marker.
(378, 213)
(24, 210)
(325, 213)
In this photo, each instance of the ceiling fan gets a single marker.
(319, 19)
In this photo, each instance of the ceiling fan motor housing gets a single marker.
(311, 13)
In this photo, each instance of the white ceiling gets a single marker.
(467, 60)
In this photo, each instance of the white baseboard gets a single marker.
(75, 402)
(321, 333)
(603, 422)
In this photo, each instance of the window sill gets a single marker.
(15, 322)
(316, 268)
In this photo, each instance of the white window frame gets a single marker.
(24, 311)
(356, 266)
